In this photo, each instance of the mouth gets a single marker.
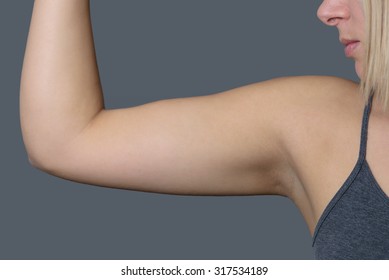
(350, 46)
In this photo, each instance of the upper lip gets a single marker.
(347, 42)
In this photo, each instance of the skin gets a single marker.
(348, 17)
(194, 146)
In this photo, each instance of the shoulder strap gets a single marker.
(365, 126)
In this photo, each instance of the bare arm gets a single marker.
(60, 86)
(226, 143)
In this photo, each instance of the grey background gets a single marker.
(149, 50)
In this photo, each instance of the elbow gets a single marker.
(43, 160)
(33, 162)
(43, 153)
(39, 163)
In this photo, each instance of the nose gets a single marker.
(332, 12)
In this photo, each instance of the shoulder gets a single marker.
(304, 111)
(306, 100)
(310, 86)
(310, 102)
(287, 94)
(317, 117)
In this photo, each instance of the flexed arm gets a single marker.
(60, 86)
(222, 144)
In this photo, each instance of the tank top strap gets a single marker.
(365, 126)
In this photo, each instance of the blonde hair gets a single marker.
(375, 78)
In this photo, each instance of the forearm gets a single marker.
(60, 87)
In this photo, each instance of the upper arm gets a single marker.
(225, 143)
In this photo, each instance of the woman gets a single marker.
(197, 146)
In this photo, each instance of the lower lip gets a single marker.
(350, 49)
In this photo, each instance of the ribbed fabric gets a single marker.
(355, 224)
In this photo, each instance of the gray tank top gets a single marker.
(355, 224)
